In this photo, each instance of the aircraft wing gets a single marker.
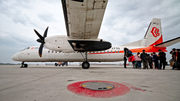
(83, 18)
(169, 42)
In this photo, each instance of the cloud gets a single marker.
(46, 17)
(11, 44)
(133, 17)
(21, 19)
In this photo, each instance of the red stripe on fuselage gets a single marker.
(149, 49)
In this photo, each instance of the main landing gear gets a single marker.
(85, 64)
(23, 65)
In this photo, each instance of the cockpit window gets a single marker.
(25, 48)
(33, 48)
(36, 47)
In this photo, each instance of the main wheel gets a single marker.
(85, 65)
(56, 64)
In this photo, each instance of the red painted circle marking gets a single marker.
(118, 90)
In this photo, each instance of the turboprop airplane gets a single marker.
(83, 20)
(152, 42)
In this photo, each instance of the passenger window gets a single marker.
(52, 51)
(48, 51)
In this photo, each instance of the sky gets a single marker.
(124, 21)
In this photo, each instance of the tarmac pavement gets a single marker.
(50, 83)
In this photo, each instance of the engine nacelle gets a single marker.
(58, 43)
(66, 44)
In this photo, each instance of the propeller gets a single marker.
(41, 40)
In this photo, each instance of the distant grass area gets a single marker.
(9, 63)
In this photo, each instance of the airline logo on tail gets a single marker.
(155, 32)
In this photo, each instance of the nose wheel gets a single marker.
(23, 65)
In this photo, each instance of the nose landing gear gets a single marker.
(23, 65)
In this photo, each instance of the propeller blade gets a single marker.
(38, 35)
(39, 40)
(45, 33)
(41, 49)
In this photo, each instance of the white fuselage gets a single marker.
(31, 55)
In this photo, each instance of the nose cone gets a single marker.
(15, 57)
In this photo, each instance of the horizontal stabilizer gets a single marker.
(169, 42)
